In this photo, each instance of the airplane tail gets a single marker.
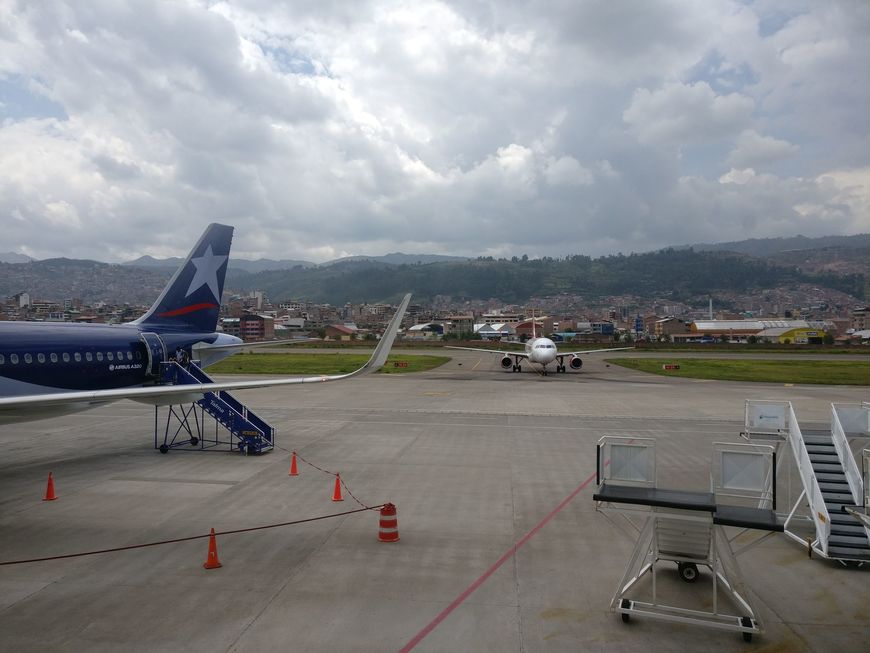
(192, 298)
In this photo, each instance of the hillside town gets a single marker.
(774, 316)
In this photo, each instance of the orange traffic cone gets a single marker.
(212, 562)
(336, 493)
(49, 490)
(389, 531)
(293, 470)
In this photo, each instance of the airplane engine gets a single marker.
(507, 362)
(576, 363)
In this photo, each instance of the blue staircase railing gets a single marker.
(250, 432)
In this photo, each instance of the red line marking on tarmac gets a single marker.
(459, 600)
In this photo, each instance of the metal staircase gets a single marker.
(834, 498)
(248, 432)
(847, 539)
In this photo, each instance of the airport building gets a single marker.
(497, 331)
(340, 332)
(774, 331)
(859, 318)
(427, 331)
(249, 326)
(503, 318)
(543, 325)
(668, 326)
(458, 324)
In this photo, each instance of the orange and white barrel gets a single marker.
(389, 531)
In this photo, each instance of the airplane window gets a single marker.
(109, 356)
(99, 355)
(89, 356)
(120, 355)
(129, 355)
(78, 357)
(65, 357)
(40, 358)
(28, 358)
(53, 358)
(138, 355)
(13, 358)
(2, 359)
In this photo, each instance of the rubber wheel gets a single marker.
(625, 604)
(194, 441)
(519, 368)
(164, 448)
(688, 571)
(746, 622)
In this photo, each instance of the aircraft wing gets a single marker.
(593, 351)
(257, 343)
(500, 352)
(168, 394)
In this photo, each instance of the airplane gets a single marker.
(50, 369)
(541, 351)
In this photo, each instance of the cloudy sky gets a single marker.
(324, 128)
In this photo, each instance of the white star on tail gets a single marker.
(207, 267)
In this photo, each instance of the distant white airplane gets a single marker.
(541, 351)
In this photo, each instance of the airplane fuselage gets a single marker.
(37, 357)
(541, 351)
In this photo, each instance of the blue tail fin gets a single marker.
(191, 300)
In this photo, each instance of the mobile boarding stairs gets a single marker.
(236, 427)
(830, 512)
(688, 528)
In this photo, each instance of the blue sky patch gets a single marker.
(18, 102)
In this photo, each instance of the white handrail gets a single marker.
(847, 460)
(818, 509)
(865, 455)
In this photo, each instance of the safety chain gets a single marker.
(188, 539)
(340, 480)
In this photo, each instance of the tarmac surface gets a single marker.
(492, 473)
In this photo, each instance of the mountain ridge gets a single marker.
(674, 273)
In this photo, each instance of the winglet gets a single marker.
(379, 357)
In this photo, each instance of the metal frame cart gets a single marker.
(688, 528)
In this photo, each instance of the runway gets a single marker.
(491, 472)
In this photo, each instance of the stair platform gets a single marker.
(236, 427)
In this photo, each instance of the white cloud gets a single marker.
(567, 171)
(735, 176)
(753, 149)
(686, 113)
(327, 128)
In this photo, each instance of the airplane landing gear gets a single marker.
(518, 368)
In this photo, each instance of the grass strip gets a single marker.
(327, 363)
(766, 371)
